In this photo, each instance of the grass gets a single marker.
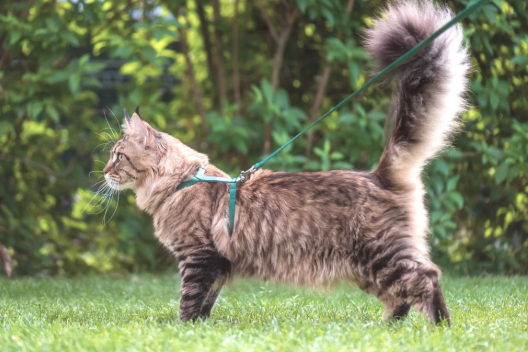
(140, 313)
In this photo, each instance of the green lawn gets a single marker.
(139, 313)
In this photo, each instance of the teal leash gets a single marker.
(245, 175)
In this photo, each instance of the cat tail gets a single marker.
(430, 85)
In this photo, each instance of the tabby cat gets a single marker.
(314, 228)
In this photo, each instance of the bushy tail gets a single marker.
(431, 85)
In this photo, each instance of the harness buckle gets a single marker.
(245, 175)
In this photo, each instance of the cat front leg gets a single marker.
(203, 275)
(210, 300)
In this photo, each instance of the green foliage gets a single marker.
(63, 63)
(140, 313)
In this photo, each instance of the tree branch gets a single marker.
(6, 258)
(267, 19)
(292, 17)
(28, 161)
(321, 88)
(281, 41)
(204, 28)
(4, 58)
(220, 67)
(236, 77)
(197, 95)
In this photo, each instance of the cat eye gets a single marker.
(120, 156)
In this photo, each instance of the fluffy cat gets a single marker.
(314, 228)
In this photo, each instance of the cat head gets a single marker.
(144, 155)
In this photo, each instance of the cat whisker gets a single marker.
(117, 204)
(90, 173)
(104, 137)
(105, 145)
(98, 182)
(111, 129)
(107, 192)
(119, 124)
(108, 206)
(95, 195)
(108, 134)
(106, 198)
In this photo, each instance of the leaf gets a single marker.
(302, 5)
(452, 183)
(142, 25)
(123, 52)
(5, 127)
(501, 173)
(52, 112)
(494, 100)
(301, 115)
(318, 151)
(347, 117)
(342, 165)
(34, 108)
(14, 36)
(336, 156)
(281, 99)
(442, 167)
(51, 23)
(496, 153)
(360, 110)
(169, 32)
(170, 23)
(74, 81)
(59, 76)
(457, 198)
(329, 16)
(327, 146)
(70, 38)
(257, 94)
(355, 72)
(83, 60)
(91, 81)
(150, 54)
(240, 145)
(266, 89)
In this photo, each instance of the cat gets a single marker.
(314, 228)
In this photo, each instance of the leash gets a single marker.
(245, 175)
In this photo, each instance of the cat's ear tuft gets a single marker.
(137, 110)
(127, 122)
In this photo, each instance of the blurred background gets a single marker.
(236, 79)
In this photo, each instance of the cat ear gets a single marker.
(140, 128)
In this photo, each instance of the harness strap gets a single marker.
(201, 177)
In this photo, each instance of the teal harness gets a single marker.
(201, 177)
(244, 175)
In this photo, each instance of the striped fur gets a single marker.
(314, 228)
